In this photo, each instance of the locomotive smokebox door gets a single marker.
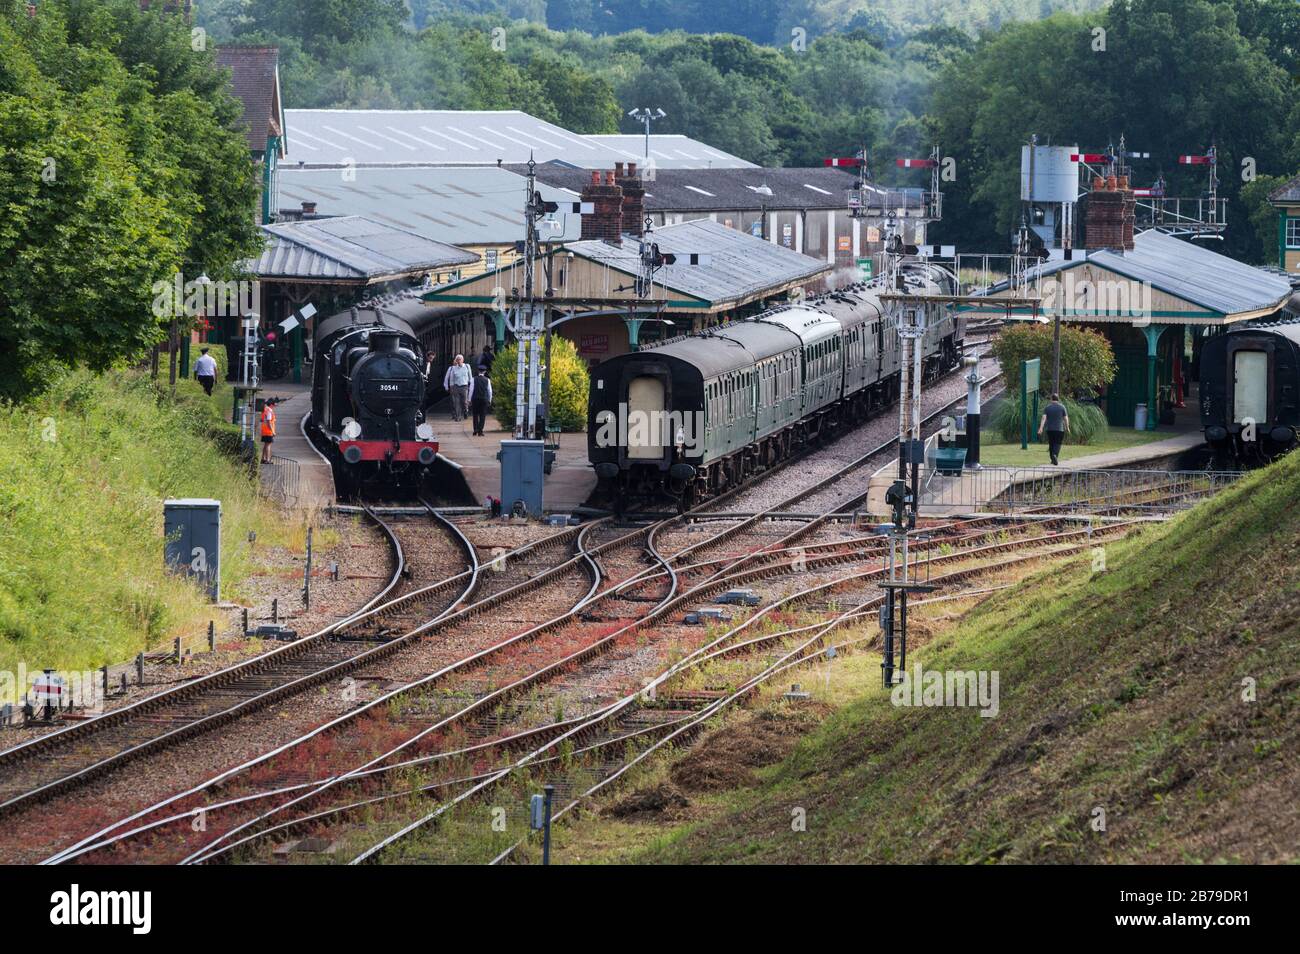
(192, 541)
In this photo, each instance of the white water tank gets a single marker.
(1055, 176)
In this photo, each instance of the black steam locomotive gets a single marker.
(1250, 392)
(368, 396)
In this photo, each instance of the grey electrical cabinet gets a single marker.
(192, 540)
(522, 464)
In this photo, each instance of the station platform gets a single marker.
(298, 475)
(974, 488)
(567, 487)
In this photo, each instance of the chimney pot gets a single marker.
(595, 177)
(631, 169)
(309, 208)
(618, 170)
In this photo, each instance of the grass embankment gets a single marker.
(84, 470)
(998, 454)
(1156, 700)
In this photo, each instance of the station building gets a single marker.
(1154, 296)
(593, 295)
(331, 263)
(803, 209)
(1286, 199)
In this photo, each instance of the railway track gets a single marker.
(78, 753)
(631, 546)
(862, 578)
(623, 551)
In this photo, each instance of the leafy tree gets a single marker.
(1262, 217)
(114, 174)
(583, 103)
(1087, 362)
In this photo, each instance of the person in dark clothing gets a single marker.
(486, 358)
(1056, 421)
(480, 399)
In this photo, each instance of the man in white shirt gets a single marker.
(456, 382)
(205, 369)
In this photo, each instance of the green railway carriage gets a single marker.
(696, 415)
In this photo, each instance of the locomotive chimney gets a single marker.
(384, 342)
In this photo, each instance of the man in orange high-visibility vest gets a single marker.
(268, 428)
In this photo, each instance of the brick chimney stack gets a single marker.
(606, 222)
(1112, 212)
(633, 198)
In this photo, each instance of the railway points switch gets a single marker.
(701, 616)
(192, 540)
(741, 597)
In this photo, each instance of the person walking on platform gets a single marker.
(1056, 421)
(205, 369)
(456, 382)
(486, 358)
(268, 428)
(480, 399)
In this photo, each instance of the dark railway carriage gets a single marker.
(696, 415)
(1250, 392)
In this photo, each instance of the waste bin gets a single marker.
(1140, 417)
(949, 460)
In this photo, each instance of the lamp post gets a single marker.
(646, 115)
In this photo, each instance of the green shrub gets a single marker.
(1087, 422)
(1087, 362)
(569, 386)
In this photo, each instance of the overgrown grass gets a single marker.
(84, 470)
(1087, 422)
(1157, 698)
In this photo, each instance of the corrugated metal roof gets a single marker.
(349, 248)
(740, 265)
(1190, 272)
(1287, 192)
(460, 205)
(670, 151)
(438, 136)
(717, 190)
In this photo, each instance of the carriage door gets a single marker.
(1250, 386)
(645, 411)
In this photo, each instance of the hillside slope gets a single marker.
(84, 470)
(1125, 692)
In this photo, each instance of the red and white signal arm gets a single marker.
(915, 163)
(1091, 157)
(845, 162)
(49, 687)
(1195, 160)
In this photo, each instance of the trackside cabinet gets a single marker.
(522, 468)
(192, 540)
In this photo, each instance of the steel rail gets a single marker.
(705, 587)
(216, 680)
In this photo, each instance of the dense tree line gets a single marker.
(1173, 76)
(121, 162)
